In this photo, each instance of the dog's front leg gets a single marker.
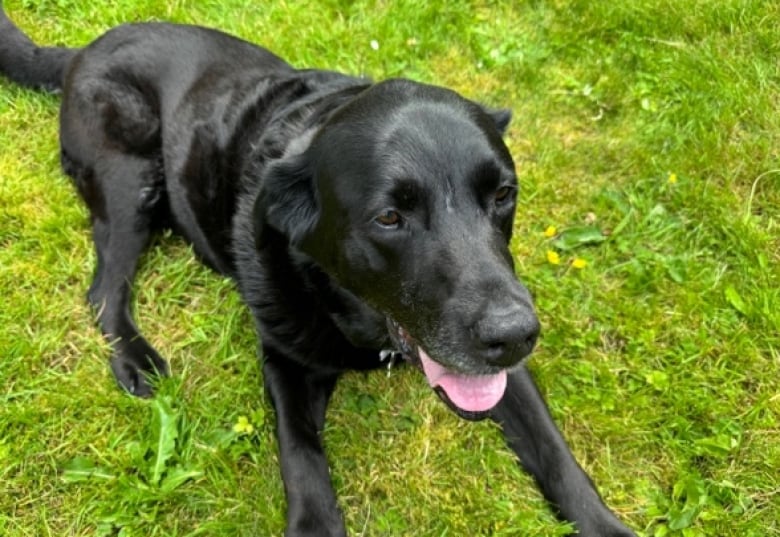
(531, 433)
(300, 398)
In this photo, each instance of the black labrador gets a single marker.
(360, 221)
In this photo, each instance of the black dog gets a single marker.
(358, 219)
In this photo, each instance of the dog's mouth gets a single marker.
(470, 396)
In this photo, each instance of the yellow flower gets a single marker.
(672, 178)
(242, 426)
(579, 263)
(553, 258)
(550, 231)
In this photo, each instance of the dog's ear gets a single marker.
(501, 117)
(287, 201)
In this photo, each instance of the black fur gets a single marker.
(353, 216)
(27, 64)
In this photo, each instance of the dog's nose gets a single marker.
(503, 338)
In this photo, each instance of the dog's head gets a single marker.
(406, 198)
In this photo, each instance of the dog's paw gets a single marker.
(135, 365)
(608, 528)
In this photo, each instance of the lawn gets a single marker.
(647, 140)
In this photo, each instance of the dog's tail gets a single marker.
(26, 63)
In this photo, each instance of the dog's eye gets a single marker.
(389, 218)
(503, 195)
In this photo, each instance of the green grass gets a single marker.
(659, 359)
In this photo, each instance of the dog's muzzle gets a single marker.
(470, 396)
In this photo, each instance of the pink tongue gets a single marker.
(469, 393)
